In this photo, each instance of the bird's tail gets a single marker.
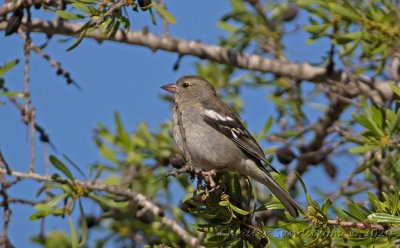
(288, 202)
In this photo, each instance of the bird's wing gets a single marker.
(222, 118)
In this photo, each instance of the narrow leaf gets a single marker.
(8, 66)
(56, 199)
(74, 233)
(317, 29)
(13, 94)
(238, 210)
(165, 14)
(75, 166)
(343, 11)
(61, 167)
(80, 38)
(82, 7)
(84, 227)
(69, 15)
(394, 88)
(362, 149)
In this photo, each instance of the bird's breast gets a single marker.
(208, 148)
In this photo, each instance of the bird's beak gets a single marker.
(170, 87)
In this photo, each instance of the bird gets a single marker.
(216, 137)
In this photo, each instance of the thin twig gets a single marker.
(46, 159)
(175, 172)
(11, 6)
(32, 138)
(20, 201)
(114, 7)
(55, 64)
(6, 211)
(3, 163)
(43, 136)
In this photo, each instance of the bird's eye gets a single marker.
(185, 85)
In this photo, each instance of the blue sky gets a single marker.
(115, 77)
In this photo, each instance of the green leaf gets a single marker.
(384, 218)
(13, 94)
(45, 210)
(108, 153)
(56, 199)
(82, 7)
(69, 15)
(349, 48)
(84, 227)
(343, 11)
(164, 14)
(75, 166)
(61, 167)
(394, 88)
(153, 17)
(99, 170)
(80, 37)
(43, 207)
(376, 204)
(357, 212)
(123, 136)
(224, 203)
(270, 206)
(74, 233)
(227, 26)
(238, 210)
(326, 206)
(8, 66)
(317, 29)
(38, 215)
(396, 123)
(303, 185)
(106, 202)
(367, 121)
(348, 37)
(304, 3)
(87, 1)
(362, 149)
(267, 127)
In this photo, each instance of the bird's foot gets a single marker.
(208, 178)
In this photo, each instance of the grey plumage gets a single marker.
(216, 137)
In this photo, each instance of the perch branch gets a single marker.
(377, 90)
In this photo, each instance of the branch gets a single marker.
(310, 152)
(113, 8)
(11, 6)
(358, 225)
(377, 90)
(137, 197)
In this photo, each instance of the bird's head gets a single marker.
(190, 88)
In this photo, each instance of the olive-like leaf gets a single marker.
(61, 167)
(8, 66)
(165, 14)
(74, 233)
(69, 15)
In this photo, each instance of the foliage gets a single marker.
(315, 124)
